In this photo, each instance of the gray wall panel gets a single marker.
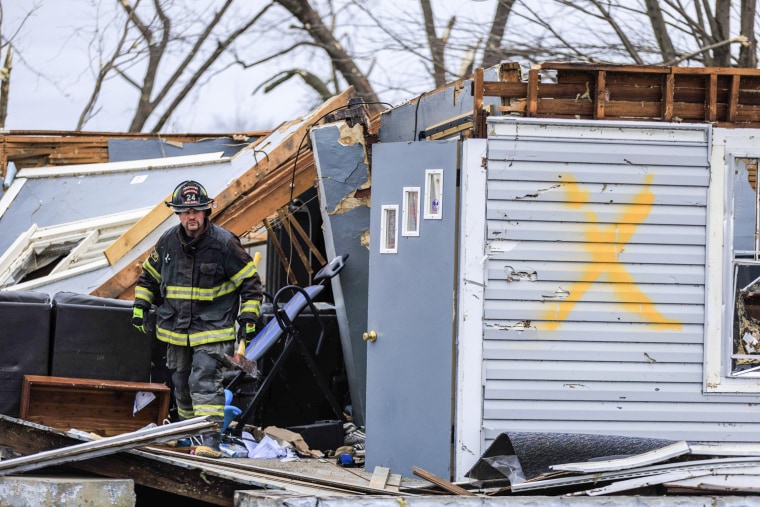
(514, 271)
(594, 391)
(573, 371)
(596, 332)
(564, 231)
(601, 292)
(546, 314)
(554, 350)
(551, 250)
(597, 172)
(668, 430)
(594, 310)
(602, 214)
(599, 192)
(602, 412)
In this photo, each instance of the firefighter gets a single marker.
(200, 280)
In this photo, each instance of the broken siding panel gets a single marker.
(567, 231)
(593, 411)
(550, 250)
(592, 331)
(548, 317)
(592, 390)
(511, 270)
(666, 430)
(595, 277)
(601, 351)
(622, 292)
(617, 215)
(607, 193)
(570, 151)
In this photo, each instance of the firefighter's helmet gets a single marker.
(189, 194)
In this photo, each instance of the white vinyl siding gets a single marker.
(596, 281)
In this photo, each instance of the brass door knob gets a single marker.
(369, 336)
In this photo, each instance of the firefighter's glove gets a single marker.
(248, 328)
(138, 319)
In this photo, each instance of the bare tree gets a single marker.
(316, 41)
(748, 51)
(492, 52)
(153, 46)
(660, 30)
(437, 45)
(312, 23)
(6, 43)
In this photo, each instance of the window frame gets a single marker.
(83, 241)
(719, 268)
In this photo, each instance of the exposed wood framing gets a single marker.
(280, 253)
(286, 171)
(39, 148)
(294, 231)
(726, 97)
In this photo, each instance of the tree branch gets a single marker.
(741, 39)
(219, 50)
(312, 23)
(620, 33)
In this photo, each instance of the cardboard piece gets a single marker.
(294, 439)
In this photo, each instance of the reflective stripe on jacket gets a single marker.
(198, 284)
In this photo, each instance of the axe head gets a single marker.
(240, 362)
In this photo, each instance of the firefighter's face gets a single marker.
(192, 221)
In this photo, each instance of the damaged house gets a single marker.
(570, 250)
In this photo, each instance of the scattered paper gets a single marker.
(142, 399)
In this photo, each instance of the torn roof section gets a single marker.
(117, 208)
(57, 221)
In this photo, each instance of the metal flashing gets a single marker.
(130, 165)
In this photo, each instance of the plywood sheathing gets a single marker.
(726, 97)
(244, 204)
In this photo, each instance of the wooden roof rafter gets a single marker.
(284, 169)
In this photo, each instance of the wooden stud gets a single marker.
(711, 97)
(733, 97)
(600, 97)
(280, 253)
(669, 86)
(306, 239)
(533, 78)
(286, 224)
(478, 115)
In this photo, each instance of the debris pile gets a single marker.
(674, 468)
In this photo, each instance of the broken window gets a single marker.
(745, 350)
(41, 255)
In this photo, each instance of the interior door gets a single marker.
(412, 282)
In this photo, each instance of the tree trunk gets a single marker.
(660, 30)
(722, 54)
(748, 53)
(342, 61)
(5, 86)
(155, 52)
(436, 45)
(493, 52)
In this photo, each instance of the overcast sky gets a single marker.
(53, 97)
(54, 45)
